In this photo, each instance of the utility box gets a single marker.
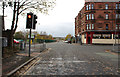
(4, 42)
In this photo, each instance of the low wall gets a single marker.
(105, 41)
(102, 41)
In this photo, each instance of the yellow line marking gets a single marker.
(32, 66)
(111, 52)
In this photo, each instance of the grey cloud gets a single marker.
(58, 29)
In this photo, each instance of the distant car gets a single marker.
(66, 41)
(16, 41)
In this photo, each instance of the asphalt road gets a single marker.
(74, 59)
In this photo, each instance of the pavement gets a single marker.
(74, 59)
(9, 64)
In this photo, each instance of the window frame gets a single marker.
(116, 27)
(107, 27)
(119, 27)
(89, 16)
(92, 26)
(89, 26)
(92, 6)
(93, 16)
(106, 6)
(116, 6)
(119, 5)
(89, 6)
(86, 7)
(117, 16)
(106, 16)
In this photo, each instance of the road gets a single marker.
(74, 59)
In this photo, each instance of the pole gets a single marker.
(118, 42)
(3, 28)
(29, 42)
(115, 27)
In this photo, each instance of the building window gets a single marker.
(92, 6)
(106, 16)
(89, 6)
(119, 6)
(86, 7)
(92, 16)
(106, 6)
(119, 26)
(106, 26)
(116, 26)
(116, 16)
(87, 27)
(116, 6)
(89, 16)
(92, 26)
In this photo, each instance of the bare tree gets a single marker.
(23, 6)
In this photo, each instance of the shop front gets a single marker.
(101, 38)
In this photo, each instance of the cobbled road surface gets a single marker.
(74, 59)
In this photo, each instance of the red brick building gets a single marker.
(98, 22)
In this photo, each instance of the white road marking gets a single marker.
(62, 61)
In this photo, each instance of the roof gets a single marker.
(102, 0)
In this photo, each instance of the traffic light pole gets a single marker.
(30, 24)
(29, 42)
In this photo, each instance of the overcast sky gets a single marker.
(58, 23)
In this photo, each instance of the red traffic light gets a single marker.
(29, 16)
(29, 21)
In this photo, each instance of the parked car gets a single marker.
(16, 41)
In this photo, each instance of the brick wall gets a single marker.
(100, 20)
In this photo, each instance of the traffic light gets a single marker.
(29, 22)
(34, 21)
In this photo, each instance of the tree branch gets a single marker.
(16, 19)
(23, 3)
(30, 4)
(14, 13)
(26, 9)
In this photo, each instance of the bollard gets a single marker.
(44, 46)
